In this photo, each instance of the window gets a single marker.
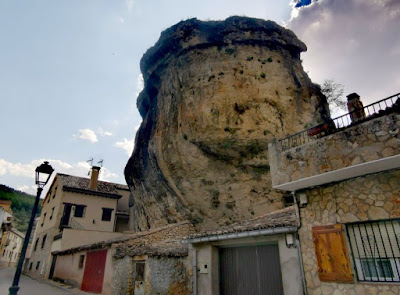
(36, 243)
(106, 214)
(52, 212)
(44, 217)
(81, 261)
(79, 210)
(30, 265)
(37, 265)
(4, 252)
(375, 250)
(44, 241)
(54, 193)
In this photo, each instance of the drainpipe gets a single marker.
(303, 279)
(194, 269)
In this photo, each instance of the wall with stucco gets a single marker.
(67, 269)
(371, 197)
(74, 237)
(207, 253)
(93, 212)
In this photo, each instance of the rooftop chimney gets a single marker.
(94, 179)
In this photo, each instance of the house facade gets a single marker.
(151, 262)
(76, 211)
(10, 247)
(347, 186)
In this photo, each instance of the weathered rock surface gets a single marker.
(215, 94)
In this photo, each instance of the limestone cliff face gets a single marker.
(215, 94)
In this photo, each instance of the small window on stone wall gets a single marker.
(81, 261)
(375, 249)
(37, 265)
(44, 241)
(36, 244)
(30, 265)
(331, 253)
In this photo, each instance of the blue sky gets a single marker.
(69, 70)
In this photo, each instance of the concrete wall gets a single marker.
(208, 284)
(74, 237)
(67, 268)
(372, 197)
(369, 141)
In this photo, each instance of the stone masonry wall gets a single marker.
(371, 140)
(371, 197)
(42, 254)
(168, 276)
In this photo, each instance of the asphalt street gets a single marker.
(29, 286)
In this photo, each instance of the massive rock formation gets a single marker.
(215, 93)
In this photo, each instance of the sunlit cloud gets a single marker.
(87, 134)
(126, 144)
(139, 85)
(352, 42)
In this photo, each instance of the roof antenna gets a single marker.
(100, 162)
(91, 164)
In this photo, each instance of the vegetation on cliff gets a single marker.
(22, 204)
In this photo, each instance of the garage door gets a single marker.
(94, 271)
(251, 270)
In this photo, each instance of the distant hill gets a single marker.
(22, 205)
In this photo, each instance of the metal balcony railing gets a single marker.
(371, 111)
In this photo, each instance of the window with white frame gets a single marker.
(375, 249)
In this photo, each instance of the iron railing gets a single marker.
(368, 112)
(375, 250)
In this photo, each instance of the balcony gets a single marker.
(362, 142)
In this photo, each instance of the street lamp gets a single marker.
(43, 173)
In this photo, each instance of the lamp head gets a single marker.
(43, 173)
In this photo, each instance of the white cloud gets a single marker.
(139, 85)
(87, 134)
(126, 145)
(130, 4)
(102, 132)
(351, 41)
(27, 170)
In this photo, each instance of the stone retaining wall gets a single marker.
(371, 140)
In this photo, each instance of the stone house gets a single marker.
(10, 247)
(347, 186)
(76, 211)
(154, 262)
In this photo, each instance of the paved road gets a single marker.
(29, 286)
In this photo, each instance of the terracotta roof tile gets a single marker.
(287, 217)
(82, 183)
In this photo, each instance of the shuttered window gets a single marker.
(332, 255)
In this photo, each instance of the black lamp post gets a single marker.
(43, 173)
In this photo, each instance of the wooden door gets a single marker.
(93, 275)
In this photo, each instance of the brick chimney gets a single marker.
(94, 179)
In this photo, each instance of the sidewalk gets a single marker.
(34, 286)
